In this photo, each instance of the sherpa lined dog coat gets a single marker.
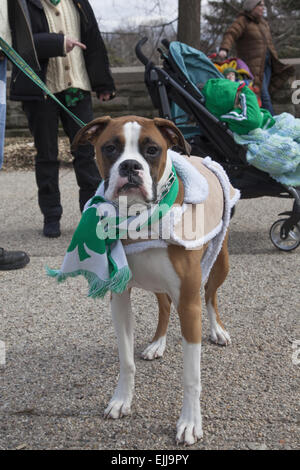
(209, 198)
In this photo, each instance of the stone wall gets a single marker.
(133, 98)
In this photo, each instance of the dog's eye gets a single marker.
(152, 150)
(110, 149)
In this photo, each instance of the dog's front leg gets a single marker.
(189, 425)
(188, 304)
(120, 404)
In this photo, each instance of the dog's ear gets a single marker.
(172, 135)
(90, 132)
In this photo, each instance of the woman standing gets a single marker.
(251, 34)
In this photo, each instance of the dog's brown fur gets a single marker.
(189, 308)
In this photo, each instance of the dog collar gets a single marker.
(171, 181)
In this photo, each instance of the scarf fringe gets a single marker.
(97, 286)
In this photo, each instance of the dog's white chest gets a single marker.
(152, 270)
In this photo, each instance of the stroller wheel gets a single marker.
(285, 242)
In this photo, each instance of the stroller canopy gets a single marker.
(197, 68)
(195, 65)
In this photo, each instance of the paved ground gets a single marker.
(61, 356)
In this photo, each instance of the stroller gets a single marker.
(174, 92)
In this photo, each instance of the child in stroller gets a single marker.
(174, 92)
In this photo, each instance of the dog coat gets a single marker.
(205, 214)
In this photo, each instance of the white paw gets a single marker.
(188, 432)
(117, 409)
(219, 336)
(155, 349)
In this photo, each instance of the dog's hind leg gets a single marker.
(157, 346)
(217, 276)
(120, 404)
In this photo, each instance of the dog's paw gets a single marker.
(188, 433)
(117, 409)
(155, 349)
(219, 336)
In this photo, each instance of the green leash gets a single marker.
(25, 68)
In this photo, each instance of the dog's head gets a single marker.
(131, 154)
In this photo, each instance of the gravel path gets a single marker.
(61, 354)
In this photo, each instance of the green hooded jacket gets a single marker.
(220, 98)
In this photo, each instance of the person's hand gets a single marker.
(222, 53)
(104, 96)
(71, 43)
(2, 55)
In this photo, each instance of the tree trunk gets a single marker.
(189, 14)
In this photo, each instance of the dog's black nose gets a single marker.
(129, 166)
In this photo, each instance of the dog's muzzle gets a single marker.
(130, 169)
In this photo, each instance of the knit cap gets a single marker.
(249, 5)
(220, 95)
(229, 70)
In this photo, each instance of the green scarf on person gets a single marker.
(72, 96)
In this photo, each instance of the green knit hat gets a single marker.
(220, 100)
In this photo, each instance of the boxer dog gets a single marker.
(132, 158)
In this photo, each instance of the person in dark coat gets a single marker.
(73, 62)
(11, 259)
(251, 34)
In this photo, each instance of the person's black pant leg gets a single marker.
(43, 123)
(87, 174)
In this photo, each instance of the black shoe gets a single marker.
(51, 228)
(12, 259)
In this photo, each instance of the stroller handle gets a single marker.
(138, 51)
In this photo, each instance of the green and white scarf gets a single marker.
(96, 250)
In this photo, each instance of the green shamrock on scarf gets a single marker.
(85, 234)
(96, 232)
